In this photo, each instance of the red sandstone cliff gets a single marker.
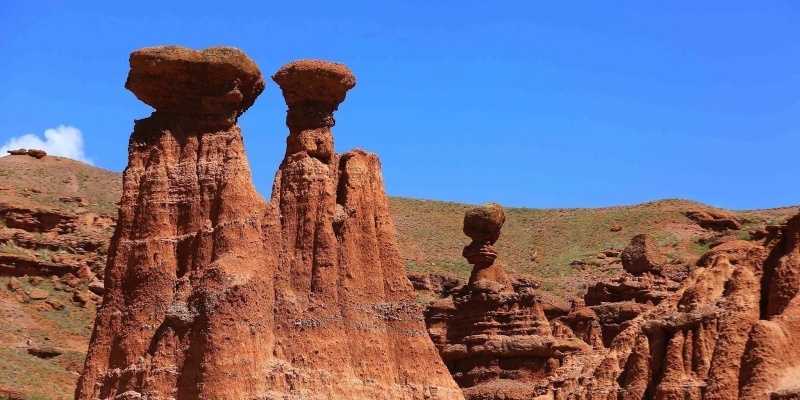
(211, 292)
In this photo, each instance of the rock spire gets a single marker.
(214, 293)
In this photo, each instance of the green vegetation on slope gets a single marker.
(545, 242)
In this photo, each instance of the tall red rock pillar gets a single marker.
(482, 225)
(346, 320)
(187, 309)
(213, 293)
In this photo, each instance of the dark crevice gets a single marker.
(341, 189)
(623, 376)
(316, 279)
(770, 265)
(659, 342)
(341, 198)
(323, 159)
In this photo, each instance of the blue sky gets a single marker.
(535, 104)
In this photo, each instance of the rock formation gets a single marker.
(184, 311)
(211, 292)
(493, 333)
(642, 255)
(482, 225)
(716, 220)
(36, 153)
(724, 330)
(648, 281)
(710, 340)
(345, 310)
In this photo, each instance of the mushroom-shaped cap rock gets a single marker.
(483, 223)
(314, 81)
(217, 80)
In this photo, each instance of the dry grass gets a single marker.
(68, 329)
(40, 183)
(544, 242)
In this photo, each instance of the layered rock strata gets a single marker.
(722, 335)
(724, 330)
(493, 333)
(186, 313)
(345, 311)
(211, 292)
(648, 280)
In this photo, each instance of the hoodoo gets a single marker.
(493, 333)
(723, 330)
(347, 323)
(213, 293)
(185, 313)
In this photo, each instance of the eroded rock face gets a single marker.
(648, 280)
(724, 330)
(211, 292)
(494, 333)
(723, 334)
(642, 255)
(344, 305)
(188, 237)
(716, 220)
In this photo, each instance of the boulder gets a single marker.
(45, 351)
(14, 284)
(716, 220)
(97, 287)
(482, 224)
(36, 153)
(642, 255)
(38, 294)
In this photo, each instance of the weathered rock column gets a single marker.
(186, 312)
(482, 225)
(493, 334)
(213, 293)
(346, 320)
(306, 186)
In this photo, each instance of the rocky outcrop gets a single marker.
(648, 280)
(434, 285)
(723, 334)
(716, 220)
(723, 330)
(36, 153)
(53, 243)
(494, 334)
(211, 292)
(642, 255)
(33, 220)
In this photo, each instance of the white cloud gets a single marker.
(63, 141)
